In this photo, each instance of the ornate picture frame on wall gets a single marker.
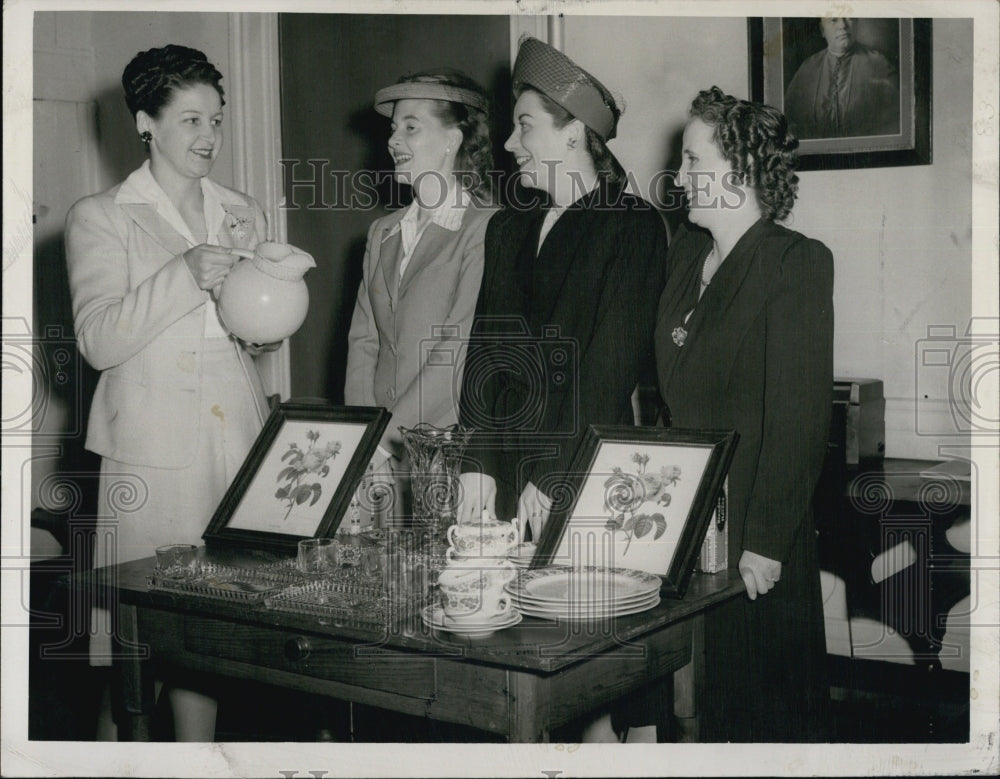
(857, 92)
(299, 478)
(640, 498)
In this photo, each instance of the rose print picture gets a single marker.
(633, 506)
(306, 468)
(625, 493)
(297, 478)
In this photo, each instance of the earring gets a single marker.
(145, 136)
(447, 151)
(571, 143)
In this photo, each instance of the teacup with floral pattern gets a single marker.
(483, 539)
(472, 595)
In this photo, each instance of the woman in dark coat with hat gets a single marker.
(567, 305)
(744, 341)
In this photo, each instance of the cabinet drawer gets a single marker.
(310, 655)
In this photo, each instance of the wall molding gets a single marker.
(255, 133)
(546, 28)
(63, 74)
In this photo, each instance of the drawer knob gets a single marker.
(297, 648)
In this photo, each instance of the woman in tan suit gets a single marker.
(423, 264)
(179, 401)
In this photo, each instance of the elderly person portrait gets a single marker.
(744, 342)
(847, 89)
(179, 401)
(423, 264)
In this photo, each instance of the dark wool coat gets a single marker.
(559, 339)
(757, 357)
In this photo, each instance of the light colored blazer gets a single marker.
(408, 338)
(139, 318)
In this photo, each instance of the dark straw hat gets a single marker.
(559, 78)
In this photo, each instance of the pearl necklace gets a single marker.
(706, 277)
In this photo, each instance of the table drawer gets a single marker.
(315, 656)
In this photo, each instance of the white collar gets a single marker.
(447, 215)
(142, 187)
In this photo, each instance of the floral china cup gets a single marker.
(496, 569)
(486, 539)
(470, 595)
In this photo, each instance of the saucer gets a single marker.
(475, 561)
(523, 554)
(434, 617)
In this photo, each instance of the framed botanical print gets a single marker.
(300, 476)
(640, 498)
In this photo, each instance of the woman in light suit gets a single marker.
(423, 264)
(179, 402)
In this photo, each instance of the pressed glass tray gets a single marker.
(348, 602)
(345, 594)
(234, 583)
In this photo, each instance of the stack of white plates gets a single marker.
(587, 593)
(522, 554)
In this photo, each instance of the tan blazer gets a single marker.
(139, 318)
(407, 344)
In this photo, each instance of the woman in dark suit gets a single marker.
(568, 301)
(744, 341)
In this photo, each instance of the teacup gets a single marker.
(486, 539)
(472, 595)
(496, 570)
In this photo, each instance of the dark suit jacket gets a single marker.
(559, 339)
(757, 357)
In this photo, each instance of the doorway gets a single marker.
(331, 67)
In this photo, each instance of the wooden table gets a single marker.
(521, 682)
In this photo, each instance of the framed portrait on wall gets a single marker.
(856, 92)
(639, 498)
(299, 478)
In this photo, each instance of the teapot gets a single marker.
(264, 298)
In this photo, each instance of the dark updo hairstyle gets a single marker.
(754, 138)
(605, 163)
(151, 77)
(474, 159)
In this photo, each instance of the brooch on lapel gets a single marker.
(239, 226)
(679, 334)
